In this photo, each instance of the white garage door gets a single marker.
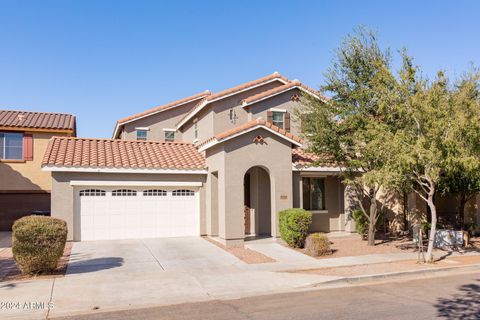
(131, 213)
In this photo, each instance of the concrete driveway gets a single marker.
(188, 254)
(5, 240)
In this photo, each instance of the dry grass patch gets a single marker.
(246, 255)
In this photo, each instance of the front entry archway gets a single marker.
(257, 203)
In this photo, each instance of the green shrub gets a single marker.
(294, 224)
(317, 244)
(361, 222)
(38, 243)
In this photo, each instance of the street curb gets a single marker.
(396, 275)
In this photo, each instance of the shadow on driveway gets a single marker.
(93, 265)
(463, 305)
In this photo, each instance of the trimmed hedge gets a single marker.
(317, 244)
(294, 225)
(38, 243)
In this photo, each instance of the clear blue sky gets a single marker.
(104, 60)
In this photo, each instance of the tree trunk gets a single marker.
(372, 221)
(461, 209)
(433, 228)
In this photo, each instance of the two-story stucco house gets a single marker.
(220, 164)
(24, 136)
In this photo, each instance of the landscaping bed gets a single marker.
(246, 255)
(10, 271)
(353, 245)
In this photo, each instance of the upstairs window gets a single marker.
(314, 194)
(169, 135)
(11, 146)
(142, 134)
(278, 119)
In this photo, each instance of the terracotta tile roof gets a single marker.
(246, 85)
(302, 158)
(111, 153)
(166, 106)
(37, 120)
(223, 93)
(249, 125)
(285, 87)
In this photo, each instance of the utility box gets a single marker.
(449, 238)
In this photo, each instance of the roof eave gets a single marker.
(246, 104)
(259, 126)
(56, 168)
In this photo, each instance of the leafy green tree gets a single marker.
(351, 127)
(437, 134)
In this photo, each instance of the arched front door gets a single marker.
(257, 202)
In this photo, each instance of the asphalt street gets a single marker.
(451, 297)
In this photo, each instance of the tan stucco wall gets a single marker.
(333, 217)
(215, 117)
(63, 199)
(157, 122)
(281, 101)
(27, 176)
(205, 126)
(232, 160)
(221, 108)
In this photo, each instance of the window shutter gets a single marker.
(270, 116)
(287, 121)
(27, 147)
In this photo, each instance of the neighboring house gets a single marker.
(24, 136)
(220, 164)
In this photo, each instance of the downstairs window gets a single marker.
(313, 193)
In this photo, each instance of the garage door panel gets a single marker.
(159, 214)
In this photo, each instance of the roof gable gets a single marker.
(281, 89)
(247, 127)
(159, 109)
(230, 92)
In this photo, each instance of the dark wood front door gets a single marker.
(246, 202)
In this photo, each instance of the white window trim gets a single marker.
(283, 121)
(278, 110)
(143, 128)
(170, 130)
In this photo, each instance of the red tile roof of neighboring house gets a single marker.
(166, 106)
(111, 153)
(280, 89)
(302, 158)
(249, 125)
(10, 119)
